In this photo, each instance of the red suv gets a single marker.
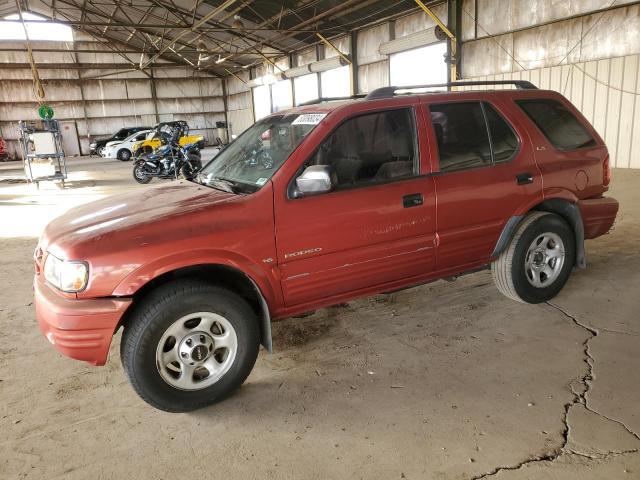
(316, 206)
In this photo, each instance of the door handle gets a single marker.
(524, 178)
(412, 200)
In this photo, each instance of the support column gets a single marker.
(154, 95)
(454, 23)
(355, 87)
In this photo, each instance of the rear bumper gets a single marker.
(79, 329)
(598, 215)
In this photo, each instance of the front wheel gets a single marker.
(191, 168)
(140, 174)
(124, 155)
(189, 344)
(101, 151)
(538, 261)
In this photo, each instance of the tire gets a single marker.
(144, 344)
(532, 268)
(139, 174)
(124, 155)
(100, 151)
(190, 170)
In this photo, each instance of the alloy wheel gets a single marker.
(196, 351)
(544, 259)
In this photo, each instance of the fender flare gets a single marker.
(569, 211)
(263, 288)
(266, 338)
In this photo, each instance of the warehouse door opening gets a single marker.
(420, 66)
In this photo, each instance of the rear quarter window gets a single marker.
(557, 123)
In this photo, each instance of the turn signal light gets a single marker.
(606, 171)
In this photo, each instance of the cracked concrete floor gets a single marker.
(443, 381)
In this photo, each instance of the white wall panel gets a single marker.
(308, 55)
(198, 87)
(419, 21)
(614, 33)
(234, 85)
(372, 76)
(500, 16)
(240, 120)
(341, 43)
(369, 41)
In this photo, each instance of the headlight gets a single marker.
(93, 145)
(64, 275)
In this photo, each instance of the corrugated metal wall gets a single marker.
(239, 103)
(591, 58)
(110, 102)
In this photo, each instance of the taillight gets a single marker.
(606, 171)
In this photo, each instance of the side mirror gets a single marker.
(315, 179)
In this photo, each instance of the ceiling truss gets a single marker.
(218, 37)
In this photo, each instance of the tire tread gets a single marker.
(501, 268)
(148, 311)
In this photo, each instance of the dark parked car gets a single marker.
(97, 146)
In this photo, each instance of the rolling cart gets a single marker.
(44, 158)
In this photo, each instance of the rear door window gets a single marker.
(461, 132)
(557, 123)
(504, 142)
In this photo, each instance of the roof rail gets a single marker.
(389, 92)
(332, 99)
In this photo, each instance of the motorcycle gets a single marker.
(168, 161)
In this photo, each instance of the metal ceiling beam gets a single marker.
(342, 6)
(132, 51)
(195, 27)
(82, 66)
(98, 35)
(111, 25)
(230, 29)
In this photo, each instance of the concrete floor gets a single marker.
(443, 381)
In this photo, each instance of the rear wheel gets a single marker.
(188, 345)
(538, 261)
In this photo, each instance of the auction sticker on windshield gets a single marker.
(309, 119)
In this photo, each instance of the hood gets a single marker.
(112, 143)
(129, 218)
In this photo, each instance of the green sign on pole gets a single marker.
(45, 112)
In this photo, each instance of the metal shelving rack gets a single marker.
(27, 129)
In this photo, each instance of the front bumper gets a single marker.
(80, 329)
(110, 152)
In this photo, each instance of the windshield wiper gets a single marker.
(220, 183)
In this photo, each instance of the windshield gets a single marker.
(251, 160)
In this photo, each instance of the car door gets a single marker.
(135, 139)
(486, 172)
(376, 227)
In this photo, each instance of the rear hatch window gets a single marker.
(558, 124)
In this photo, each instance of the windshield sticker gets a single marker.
(261, 181)
(309, 119)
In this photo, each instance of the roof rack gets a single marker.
(332, 99)
(389, 92)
